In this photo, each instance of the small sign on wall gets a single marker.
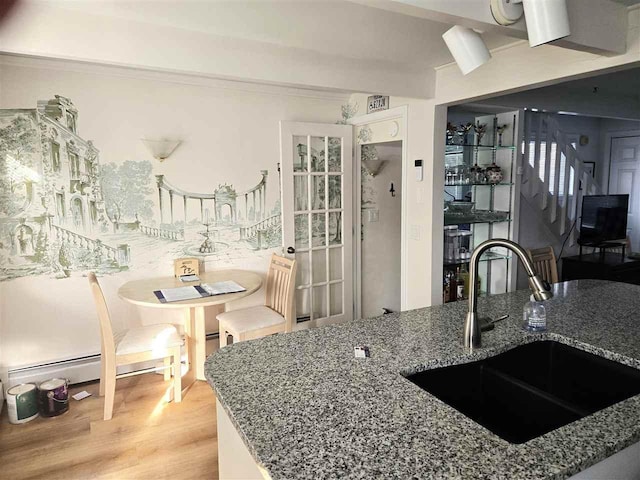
(375, 103)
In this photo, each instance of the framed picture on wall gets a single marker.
(591, 168)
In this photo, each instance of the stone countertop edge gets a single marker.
(306, 408)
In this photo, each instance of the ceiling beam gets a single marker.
(597, 26)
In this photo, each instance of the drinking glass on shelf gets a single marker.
(449, 176)
(465, 177)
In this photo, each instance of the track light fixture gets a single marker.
(547, 20)
(467, 47)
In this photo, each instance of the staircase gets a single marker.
(89, 252)
(554, 179)
(263, 234)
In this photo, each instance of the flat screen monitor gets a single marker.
(604, 218)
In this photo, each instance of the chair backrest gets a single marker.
(280, 288)
(544, 261)
(106, 330)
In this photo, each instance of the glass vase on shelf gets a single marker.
(452, 133)
(463, 132)
(480, 129)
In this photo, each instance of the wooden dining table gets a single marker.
(140, 292)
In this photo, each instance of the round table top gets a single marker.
(140, 292)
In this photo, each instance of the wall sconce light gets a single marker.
(547, 20)
(467, 47)
(161, 149)
(373, 165)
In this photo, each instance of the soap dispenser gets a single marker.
(535, 316)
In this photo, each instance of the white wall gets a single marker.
(574, 126)
(381, 238)
(229, 132)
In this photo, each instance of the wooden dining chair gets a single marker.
(275, 316)
(140, 344)
(544, 261)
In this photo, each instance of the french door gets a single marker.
(317, 211)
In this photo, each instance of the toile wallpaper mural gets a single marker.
(62, 211)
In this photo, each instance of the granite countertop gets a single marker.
(306, 408)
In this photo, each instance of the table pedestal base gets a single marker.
(195, 341)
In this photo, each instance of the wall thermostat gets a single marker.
(418, 166)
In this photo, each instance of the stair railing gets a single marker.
(549, 157)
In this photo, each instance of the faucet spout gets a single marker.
(540, 288)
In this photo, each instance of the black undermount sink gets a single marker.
(531, 390)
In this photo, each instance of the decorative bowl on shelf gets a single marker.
(459, 207)
(494, 174)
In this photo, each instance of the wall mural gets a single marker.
(61, 211)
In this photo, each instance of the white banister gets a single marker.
(536, 186)
(547, 168)
(556, 181)
(526, 184)
(556, 174)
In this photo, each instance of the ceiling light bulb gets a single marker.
(467, 47)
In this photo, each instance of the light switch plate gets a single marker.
(374, 215)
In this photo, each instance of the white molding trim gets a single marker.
(78, 66)
(508, 46)
(401, 113)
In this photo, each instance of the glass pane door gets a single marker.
(319, 212)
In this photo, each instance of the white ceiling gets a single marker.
(610, 95)
(623, 83)
(330, 27)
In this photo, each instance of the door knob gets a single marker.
(291, 250)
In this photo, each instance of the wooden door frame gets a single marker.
(400, 113)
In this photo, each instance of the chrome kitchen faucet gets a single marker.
(540, 288)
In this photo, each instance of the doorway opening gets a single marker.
(381, 227)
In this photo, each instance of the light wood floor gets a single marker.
(147, 438)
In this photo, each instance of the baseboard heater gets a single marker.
(76, 370)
